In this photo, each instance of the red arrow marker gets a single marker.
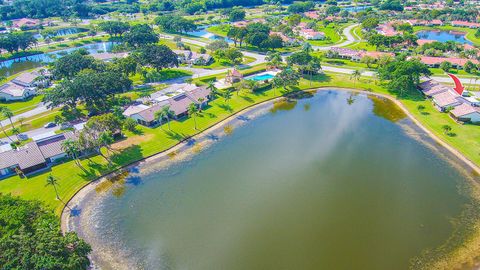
(458, 84)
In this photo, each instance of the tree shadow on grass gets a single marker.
(319, 78)
(248, 99)
(173, 135)
(226, 107)
(127, 155)
(138, 132)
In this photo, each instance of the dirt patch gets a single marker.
(131, 141)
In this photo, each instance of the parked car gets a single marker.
(49, 125)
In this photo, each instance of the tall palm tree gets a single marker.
(193, 111)
(227, 95)
(200, 101)
(7, 113)
(1, 125)
(52, 181)
(72, 149)
(356, 74)
(307, 47)
(274, 59)
(213, 89)
(165, 114)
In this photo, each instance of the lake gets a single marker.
(202, 32)
(13, 66)
(331, 181)
(443, 36)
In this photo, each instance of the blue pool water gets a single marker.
(443, 36)
(262, 77)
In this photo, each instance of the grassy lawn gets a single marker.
(33, 122)
(159, 76)
(361, 46)
(220, 30)
(148, 141)
(18, 107)
(459, 72)
(331, 35)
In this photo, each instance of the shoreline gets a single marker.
(80, 198)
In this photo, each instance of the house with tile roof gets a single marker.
(466, 113)
(12, 91)
(36, 155)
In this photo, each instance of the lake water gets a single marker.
(202, 32)
(443, 36)
(335, 181)
(356, 8)
(13, 66)
(62, 32)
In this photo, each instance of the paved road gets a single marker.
(41, 108)
(347, 32)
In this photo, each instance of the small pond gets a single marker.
(444, 36)
(202, 32)
(13, 66)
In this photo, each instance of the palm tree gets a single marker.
(200, 101)
(356, 74)
(165, 113)
(1, 125)
(193, 111)
(52, 181)
(227, 95)
(72, 149)
(7, 113)
(213, 89)
(307, 47)
(274, 59)
(105, 140)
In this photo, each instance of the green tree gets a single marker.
(32, 239)
(114, 28)
(193, 112)
(287, 77)
(130, 124)
(139, 35)
(236, 14)
(403, 75)
(157, 56)
(165, 114)
(446, 66)
(213, 89)
(227, 95)
(356, 74)
(2, 109)
(370, 23)
(469, 67)
(52, 181)
(72, 149)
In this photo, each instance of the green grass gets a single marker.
(331, 35)
(18, 107)
(159, 76)
(459, 72)
(220, 30)
(361, 46)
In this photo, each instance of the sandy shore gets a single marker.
(81, 198)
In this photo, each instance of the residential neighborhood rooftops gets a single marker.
(430, 60)
(447, 98)
(13, 89)
(466, 24)
(26, 78)
(462, 110)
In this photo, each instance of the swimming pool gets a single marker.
(262, 77)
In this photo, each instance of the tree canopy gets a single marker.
(403, 75)
(30, 238)
(140, 34)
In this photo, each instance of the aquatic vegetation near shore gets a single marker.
(228, 130)
(385, 108)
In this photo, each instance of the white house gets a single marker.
(11, 92)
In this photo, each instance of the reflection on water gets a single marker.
(332, 187)
(443, 36)
(13, 66)
(283, 104)
(386, 109)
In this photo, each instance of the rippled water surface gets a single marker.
(335, 181)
